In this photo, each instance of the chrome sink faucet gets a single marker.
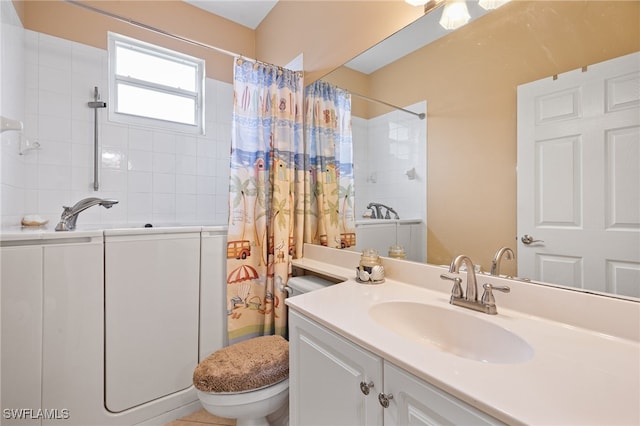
(469, 299)
(70, 214)
(505, 252)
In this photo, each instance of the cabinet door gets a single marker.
(416, 402)
(21, 360)
(151, 316)
(325, 376)
(72, 364)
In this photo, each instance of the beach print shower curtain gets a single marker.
(329, 191)
(266, 154)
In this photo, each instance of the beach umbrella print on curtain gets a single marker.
(242, 273)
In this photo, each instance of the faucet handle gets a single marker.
(487, 297)
(456, 291)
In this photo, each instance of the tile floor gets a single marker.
(200, 418)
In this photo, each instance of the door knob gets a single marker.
(528, 239)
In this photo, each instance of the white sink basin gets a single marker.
(452, 331)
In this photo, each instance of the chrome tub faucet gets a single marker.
(70, 214)
(469, 299)
(376, 211)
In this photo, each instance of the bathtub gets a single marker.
(105, 325)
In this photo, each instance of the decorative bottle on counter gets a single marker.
(397, 252)
(370, 269)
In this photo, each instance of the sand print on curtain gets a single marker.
(266, 144)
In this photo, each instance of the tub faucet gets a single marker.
(70, 214)
(497, 258)
(469, 299)
(376, 209)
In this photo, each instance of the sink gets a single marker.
(452, 331)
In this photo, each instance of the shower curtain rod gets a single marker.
(159, 31)
(420, 115)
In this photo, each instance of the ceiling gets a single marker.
(244, 12)
(422, 32)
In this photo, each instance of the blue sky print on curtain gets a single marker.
(266, 143)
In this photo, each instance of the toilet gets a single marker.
(249, 380)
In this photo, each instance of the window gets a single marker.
(154, 86)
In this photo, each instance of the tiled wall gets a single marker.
(12, 181)
(158, 176)
(385, 148)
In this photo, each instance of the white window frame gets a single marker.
(197, 128)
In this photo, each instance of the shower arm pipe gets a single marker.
(420, 115)
(156, 30)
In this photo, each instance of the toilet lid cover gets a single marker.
(247, 365)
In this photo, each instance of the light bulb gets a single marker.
(455, 14)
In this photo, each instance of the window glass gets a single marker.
(151, 85)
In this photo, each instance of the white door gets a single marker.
(579, 178)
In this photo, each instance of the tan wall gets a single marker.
(469, 80)
(328, 33)
(60, 19)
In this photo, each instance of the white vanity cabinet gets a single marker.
(325, 374)
(336, 382)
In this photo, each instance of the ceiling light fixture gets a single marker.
(415, 2)
(455, 14)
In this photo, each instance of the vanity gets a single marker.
(398, 353)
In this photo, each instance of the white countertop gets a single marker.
(576, 376)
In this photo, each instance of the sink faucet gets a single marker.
(471, 294)
(70, 214)
(497, 258)
(376, 209)
(469, 299)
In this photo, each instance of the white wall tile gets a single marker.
(155, 174)
(164, 142)
(164, 163)
(186, 164)
(140, 182)
(139, 208)
(140, 161)
(186, 184)
(140, 139)
(57, 153)
(164, 183)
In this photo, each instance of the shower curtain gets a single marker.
(266, 148)
(329, 182)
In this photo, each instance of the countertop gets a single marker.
(576, 376)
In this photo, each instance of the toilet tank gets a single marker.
(306, 283)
